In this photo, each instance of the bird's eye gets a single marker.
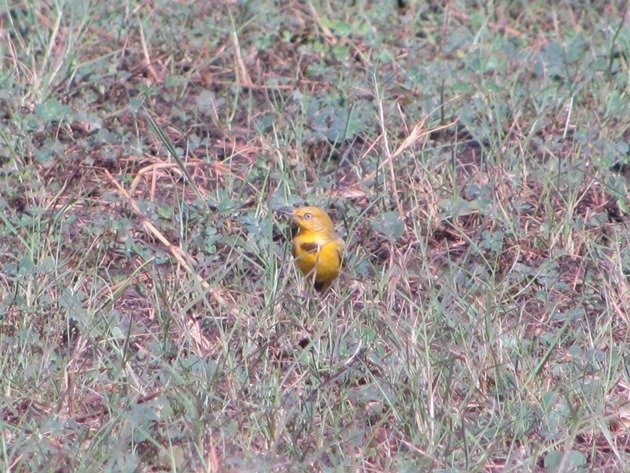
(308, 216)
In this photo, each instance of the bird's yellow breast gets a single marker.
(318, 255)
(317, 248)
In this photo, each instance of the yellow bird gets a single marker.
(316, 247)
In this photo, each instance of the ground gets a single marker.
(474, 158)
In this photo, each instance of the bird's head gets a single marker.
(309, 219)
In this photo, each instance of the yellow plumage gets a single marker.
(316, 247)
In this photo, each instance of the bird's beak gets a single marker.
(285, 212)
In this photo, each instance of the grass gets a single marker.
(474, 158)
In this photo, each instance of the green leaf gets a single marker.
(207, 102)
(389, 225)
(553, 460)
(52, 110)
(548, 400)
(492, 241)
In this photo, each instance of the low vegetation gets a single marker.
(475, 160)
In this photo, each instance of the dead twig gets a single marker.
(180, 255)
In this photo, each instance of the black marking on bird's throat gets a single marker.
(309, 247)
